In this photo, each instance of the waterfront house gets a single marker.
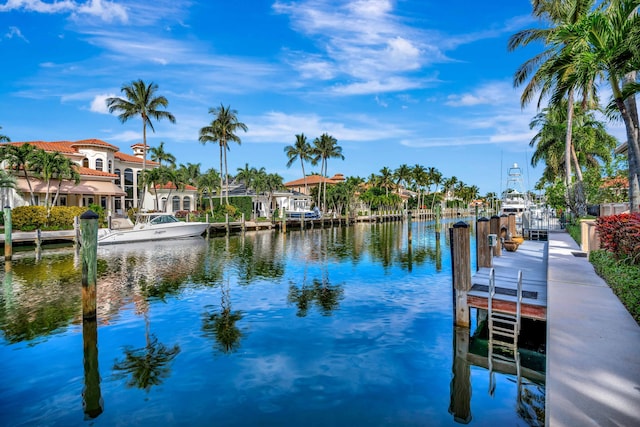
(108, 177)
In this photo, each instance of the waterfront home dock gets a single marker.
(593, 345)
(531, 259)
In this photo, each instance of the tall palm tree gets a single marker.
(612, 36)
(434, 177)
(548, 72)
(300, 150)
(386, 179)
(18, 158)
(223, 130)
(159, 155)
(141, 100)
(325, 147)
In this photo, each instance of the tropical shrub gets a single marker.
(61, 217)
(620, 235)
(28, 218)
(623, 279)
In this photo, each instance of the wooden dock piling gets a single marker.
(461, 272)
(89, 259)
(512, 225)
(8, 231)
(483, 250)
(495, 229)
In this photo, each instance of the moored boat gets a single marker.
(152, 226)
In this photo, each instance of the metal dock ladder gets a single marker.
(503, 329)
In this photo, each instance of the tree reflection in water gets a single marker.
(222, 325)
(321, 293)
(149, 365)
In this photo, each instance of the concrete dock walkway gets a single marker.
(593, 345)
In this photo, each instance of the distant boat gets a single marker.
(514, 198)
(304, 213)
(152, 226)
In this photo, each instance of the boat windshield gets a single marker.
(163, 219)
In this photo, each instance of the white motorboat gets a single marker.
(304, 214)
(514, 198)
(152, 226)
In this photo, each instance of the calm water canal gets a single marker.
(336, 327)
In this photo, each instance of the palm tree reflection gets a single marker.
(325, 296)
(222, 325)
(149, 365)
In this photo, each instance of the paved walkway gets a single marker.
(593, 345)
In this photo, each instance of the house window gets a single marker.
(98, 164)
(163, 202)
(186, 203)
(85, 163)
(175, 203)
(110, 166)
(117, 172)
(128, 188)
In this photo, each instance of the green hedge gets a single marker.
(29, 218)
(624, 279)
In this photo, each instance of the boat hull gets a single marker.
(181, 230)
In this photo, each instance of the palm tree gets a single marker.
(46, 165)
(434, 177)
(222, 130)
(209, 182)
(420, 178)
(159, 155)
(246, 175)
(612, 36)
(592, 143)
(300, 150)
(141, 100)
(66, 170)
(552, 75)
(189, 173)
(4, 138)
(386, 179)
(325, 147)
(19, 158)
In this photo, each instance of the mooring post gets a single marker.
(461, 272)
(226, 221)
(438, 217)
(409, 232)
(495, 229)
(8, 230)
(483, 250)
(284, 222)
(504, 227)
(512, 225)
(89, 259)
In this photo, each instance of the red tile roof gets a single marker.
(97, 142)
(172, 186)
(133, 159)
(92, 172)
(315, 180)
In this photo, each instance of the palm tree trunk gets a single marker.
(221, 182)
(226, 177)
(567, 149)
(304, 176)
(629, 112)
(144, 160)
(26, 177)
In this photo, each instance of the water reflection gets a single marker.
(338, 318)
(221, 325)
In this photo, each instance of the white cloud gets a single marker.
(492, 93)
(99, 103)
(107, 11)
(15, 32)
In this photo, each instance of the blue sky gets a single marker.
(407, 81)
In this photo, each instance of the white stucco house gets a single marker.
(109, 178)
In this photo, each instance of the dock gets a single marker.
(530, 258)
